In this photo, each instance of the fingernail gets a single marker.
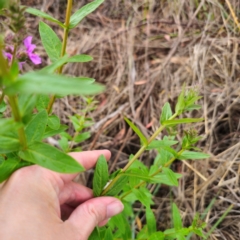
(114, 208)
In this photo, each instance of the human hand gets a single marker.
(34, 200)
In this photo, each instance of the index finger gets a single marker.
(87, 159)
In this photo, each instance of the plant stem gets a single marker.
(138, 154)
(64, 46)
(17, 118)
(154, 174)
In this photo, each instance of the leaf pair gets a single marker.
(75, 19)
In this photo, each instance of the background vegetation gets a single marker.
(144, 50)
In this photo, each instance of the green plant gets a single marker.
(30, 97)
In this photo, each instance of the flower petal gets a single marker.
(8, 56)
(28, 42)
(35, 58)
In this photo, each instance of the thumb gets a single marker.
(92, 212)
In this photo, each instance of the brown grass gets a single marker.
(143, 52)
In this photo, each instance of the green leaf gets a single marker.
(193, 107)
(137, 131)
(54, 122)
(63, 143)
(171, 176)
(94, 235)
(161, 143)
(36, 127)
(118, 186)
(39, 83)
(181, 102)
(108, 234)
(26, 103)
(193, 155)
(8, 124)
(82, 137)
(164, 179)
(3, 107)
(80, 58)
(157, 236)
(180, 236)
(143, 195)
(166, 113)
(177, 220)
(44, 15)
(42, 102)
(78, 16)
(182, 120)
(151, 221)
(163, 157)
(101, 176)
(50, 157)
(9, 166)
(55, 65)
(51, 132)
(9, 143)
(50, 41)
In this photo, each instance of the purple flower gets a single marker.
(8, 56)
(30, 48)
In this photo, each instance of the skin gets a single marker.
(34, 201)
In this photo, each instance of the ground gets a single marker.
(144, 51)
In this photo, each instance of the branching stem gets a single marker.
(136, 156)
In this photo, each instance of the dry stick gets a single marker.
(173, 50)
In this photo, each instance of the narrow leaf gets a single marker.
(137, 131)
(193, 155)
(143, 195)
(177, 220)
(151, 221)
(161, 143)
(49, 157)
(164, 179)
(44, 15)
(80, 58)
(50, 41)
(78, 16)
(118, 186)
(36, 127)
(82, 137)
(101, 176)
(182, 120)
(46, 83)
(51, 132)
(166, 113)
(171, 176)
(181, 102)
(54, 122)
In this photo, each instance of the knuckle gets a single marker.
(97, 214)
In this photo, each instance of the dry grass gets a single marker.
(144, 50)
